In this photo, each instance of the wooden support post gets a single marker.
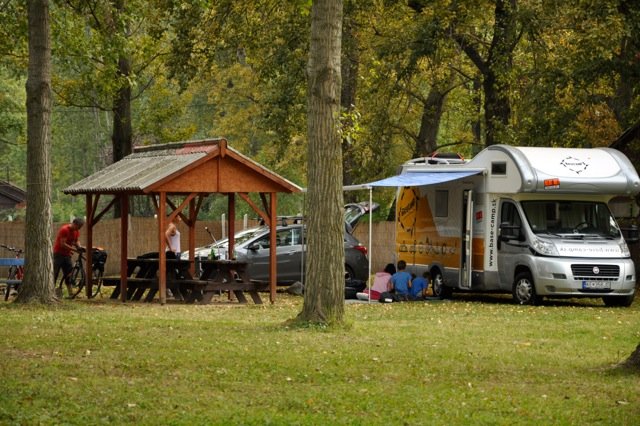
(193, 217)
(124, 244)
(89, 255)
(162, 256)
(272, 241)
(231, 225)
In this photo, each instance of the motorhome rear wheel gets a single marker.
(439, 289)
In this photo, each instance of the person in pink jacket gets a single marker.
(380, 284)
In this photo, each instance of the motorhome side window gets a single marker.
(510, 215)
(499, 168)
(442, 203)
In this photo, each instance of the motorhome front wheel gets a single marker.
(524, 291)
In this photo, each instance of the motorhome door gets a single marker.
(511, 244)
(467, 239)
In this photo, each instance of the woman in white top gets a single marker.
(172, 237)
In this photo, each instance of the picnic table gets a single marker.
(142, 277)
(217, 276)
(223, 275)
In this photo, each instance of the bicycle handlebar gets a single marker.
(13, 249)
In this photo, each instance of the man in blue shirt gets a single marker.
(401, 281)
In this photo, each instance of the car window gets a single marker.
(241, 236)
(353, 212)
(247, 235)
(297, 236)
(263, 241)
(284, 238)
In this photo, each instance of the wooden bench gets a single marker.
(10, 283)
(142, 277)
(202, 291)
(222, 276)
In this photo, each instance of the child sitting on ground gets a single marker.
(419, 286)
(380, 284)
(401, 282)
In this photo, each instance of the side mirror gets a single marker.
(253, 247)
(510, 232)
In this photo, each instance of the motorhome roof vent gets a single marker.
(438, 158)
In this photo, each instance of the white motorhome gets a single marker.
(530, 221)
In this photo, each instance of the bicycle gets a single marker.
(15, 272)
(78, 277)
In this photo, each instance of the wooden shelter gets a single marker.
(11, 196)
(188, 171)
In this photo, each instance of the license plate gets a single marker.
(595, 285)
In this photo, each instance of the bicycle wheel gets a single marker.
(12, 276)
(77, 283)
(96, 281)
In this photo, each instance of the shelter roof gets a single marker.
(10, 195)
(207, 166)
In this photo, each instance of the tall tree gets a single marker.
(37, 284)
(625, 103)
(495, 67)
(324, 294)
(121, 138)
(108, 53)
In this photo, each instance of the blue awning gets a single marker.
(423, 178)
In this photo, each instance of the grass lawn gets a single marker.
(466, 361)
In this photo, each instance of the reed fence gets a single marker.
(143, 238)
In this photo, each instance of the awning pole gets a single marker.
(370, 248)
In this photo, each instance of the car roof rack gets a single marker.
(285, 220)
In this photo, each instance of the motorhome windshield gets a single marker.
(570, 217)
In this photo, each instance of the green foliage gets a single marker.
(12, 109)
(94, 362)
(12, 128)
(80, 147)
(238, 70)
(13, 37)
(162, 115)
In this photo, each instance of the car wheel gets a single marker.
(348, 273)
(439, 289)
(618, 301)
(524, 290)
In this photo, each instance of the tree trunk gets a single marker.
(430, 123)
(628, 59)
(497, 105)
(37, 285)
(496, 70)
(121, 138)
(633, 361)
(324, 292)
(497, 109)
(476, 124)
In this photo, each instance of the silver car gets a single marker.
(252, 246)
